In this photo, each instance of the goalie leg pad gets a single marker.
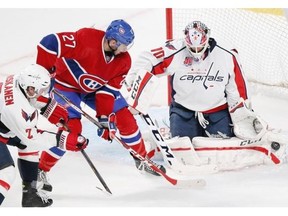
(183, 150)
(235, 153)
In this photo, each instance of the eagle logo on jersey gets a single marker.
(27, 117)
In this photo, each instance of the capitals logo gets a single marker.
(188, 61)
(90, 83)
(27, 117)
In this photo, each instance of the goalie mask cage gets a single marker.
(259, 35)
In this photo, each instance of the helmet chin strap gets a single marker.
(23, 91)
(112, 52)
(199, 58)
(26, 93)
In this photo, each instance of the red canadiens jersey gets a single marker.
(81, 64)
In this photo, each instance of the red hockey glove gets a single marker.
(54, 112)
(15, 141)
(109, 129)
(71, 141)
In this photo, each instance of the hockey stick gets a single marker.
(173, 181)
(168, 155)
(87, 158)
(96, 172)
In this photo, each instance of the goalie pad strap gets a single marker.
(273, 157)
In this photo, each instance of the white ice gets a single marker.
(73, 180)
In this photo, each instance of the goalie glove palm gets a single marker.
(246, 124)
(109, 128)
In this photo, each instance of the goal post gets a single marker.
(259, 34)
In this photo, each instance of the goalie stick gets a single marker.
(168, 155)
(173, 181)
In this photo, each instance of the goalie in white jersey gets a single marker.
(21, 98)
(209, 89)
(205, 78)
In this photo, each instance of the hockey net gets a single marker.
(259, 35)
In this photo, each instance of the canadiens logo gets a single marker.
(121, 30)
(90, 83)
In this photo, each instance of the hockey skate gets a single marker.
(32, 198)
(142, 166)
(42, 181)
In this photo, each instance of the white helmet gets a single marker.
(196, 38)
(36, 76)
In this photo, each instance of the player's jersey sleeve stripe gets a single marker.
(51, 44)
(160, 68)
(239, 80)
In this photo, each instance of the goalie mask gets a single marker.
(196, 38)
(37, 77)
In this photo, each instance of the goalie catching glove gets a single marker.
(109, 128)
(246, 124)
(71, 141)
(54, 112)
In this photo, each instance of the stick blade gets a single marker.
(191, 183)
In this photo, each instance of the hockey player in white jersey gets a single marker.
(209, 89)
(206, 79)
(21, 100)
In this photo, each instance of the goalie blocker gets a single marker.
(142, 91)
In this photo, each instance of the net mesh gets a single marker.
(259, 35)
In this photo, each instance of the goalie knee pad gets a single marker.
(183, 150)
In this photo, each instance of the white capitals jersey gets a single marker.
(207, 85)
(18, 117)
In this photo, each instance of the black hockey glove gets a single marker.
(15, 141)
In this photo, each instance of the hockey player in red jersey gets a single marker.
(21, 98)
(89, 66)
